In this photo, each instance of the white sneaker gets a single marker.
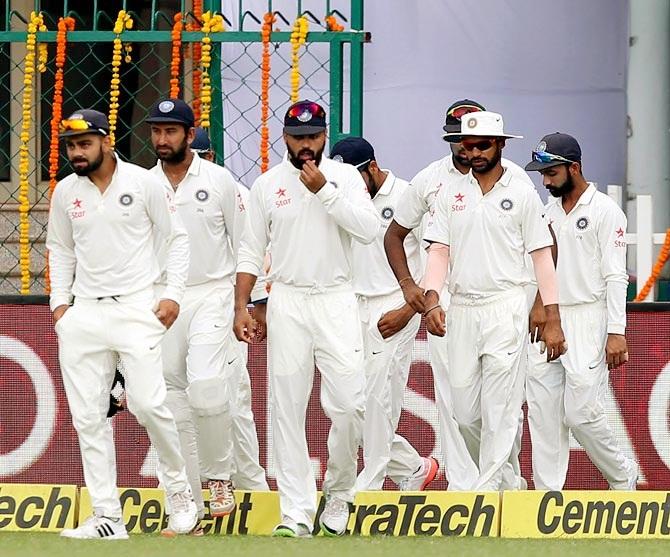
(422, 477)
(335, 516)
(98, 528)
(632, 474)
(221, 497)
(288, 528)
(184, 514)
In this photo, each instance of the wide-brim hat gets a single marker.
(480, 124)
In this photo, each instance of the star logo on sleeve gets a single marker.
(281, 192)
(459, 197)
(619, 232)
(77, 203)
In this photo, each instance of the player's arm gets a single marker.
(62, 260)
(537, 318)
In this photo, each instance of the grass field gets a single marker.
(34, 545)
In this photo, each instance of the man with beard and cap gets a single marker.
(101, 253)
(197, 350)
(389, 328)
(483, 226)
(309, 209)
(460, 448)
(567, 394)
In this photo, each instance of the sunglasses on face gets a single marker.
(480, 145)
(313, 108)
(460, 111)
(543, 156)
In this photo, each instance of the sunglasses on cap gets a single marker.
(543, 156)
(479, 145)
(459, 111)
(313, 108)
(78, 125)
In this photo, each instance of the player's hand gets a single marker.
(616, 350)
(244, 326)
(59, 312)
(552, 334)
(414, 295)
(537, 320)
(311, 176)
(394, 321)
(167, 312)
(436, 321)
(259, 316)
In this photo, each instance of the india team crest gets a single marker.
(472, 123)
(387, 213)
(166, 106)
(126, 199)
(541, 147)
(306, 116)
(338, 158)
(202, 195)
(506, 204)
(582, 223)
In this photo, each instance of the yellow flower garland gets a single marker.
(123, 21)
(298, 37)
(35, 24)
(211, 23)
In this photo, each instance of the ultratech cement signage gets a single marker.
(586, 514)
(386, 513)
(46, 508)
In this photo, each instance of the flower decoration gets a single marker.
(663, 257)
(123, 21)
(266, 31)
(175, 63)
(298, 37)
(211, 23)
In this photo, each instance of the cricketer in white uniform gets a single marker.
(309, 209)
(567, 394)
(483, 225)
(460, 448)
(196, 350)
(389, 327)
(248, 474)
(101, 253)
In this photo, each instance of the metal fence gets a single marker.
(330, 67)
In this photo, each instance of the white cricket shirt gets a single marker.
(101, 244)
(311, 234)
(490, 234)
(207, 202)
(591, 253)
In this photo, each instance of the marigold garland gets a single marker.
(197, 54)
(298, 37)
(123, 21)
(211, 23)
(64, 25)
(332, 24)
(663, 257)
(266, 30)
(175, 63)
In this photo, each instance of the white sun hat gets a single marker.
(481, 124)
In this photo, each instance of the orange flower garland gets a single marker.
(663, 257)
(175, 63)
(197, 54)
(123, 21)
(64, 25)
(332, 24)
(211, 23)
(266, 31)
(298, 37)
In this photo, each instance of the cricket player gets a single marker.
(248, 473)
(195, 349)
(99, 239)
(310, 209)
(484, 223)
(389, 327)
(460, 448)
(567, 394)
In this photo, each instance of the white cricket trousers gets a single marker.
(195, 356)
(387, 364)
(486, 343)
(90, 334)
(568, 394)
(307, 326)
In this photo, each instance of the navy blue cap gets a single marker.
(171, 110)
(84, 121)
(455, 112)
(304, 118)
(353, 150)
(554, 149)
(201, 142)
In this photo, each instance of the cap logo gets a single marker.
(166, 106)
(541, 147)
(472, 123)
(338, 158)
(76, 116)
(306, 116)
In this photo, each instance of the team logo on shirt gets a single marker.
(281, 200)
(387, 213)
(126, 199)
(506, 204)
(620, 242)
(77, 210)
(202, 195)
(582, 223)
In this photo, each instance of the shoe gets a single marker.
(221, 497)
(98, 528)
(291, 529)
(335, 516)
(422, 477)
(197, 532)
(632, 474)
(184, 515)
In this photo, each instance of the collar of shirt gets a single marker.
(88, 181)
(387, 186)
(504, 180)
(584, 199)
(193, 168)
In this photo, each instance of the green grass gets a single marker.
(36, 545)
